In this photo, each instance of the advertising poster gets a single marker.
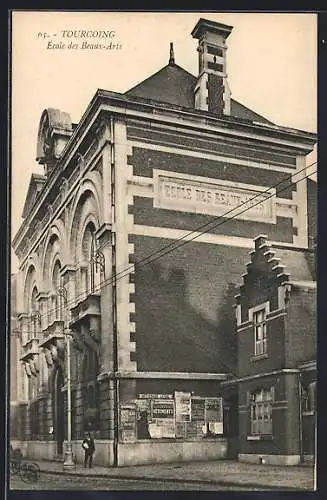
(198, 409)
(214, 415)
(183, 406)
(127, 422)
(163, 419)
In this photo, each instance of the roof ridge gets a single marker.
(172, 65)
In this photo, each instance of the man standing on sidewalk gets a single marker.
(89, 449)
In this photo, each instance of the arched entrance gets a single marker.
(59, 410)
(90, 389)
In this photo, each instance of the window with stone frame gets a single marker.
(33, 325)
(56, 307)
(308, 397)
(260, 332)
(92, 271)
(261, 411)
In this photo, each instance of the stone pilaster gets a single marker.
(106, 351)
(123, 224)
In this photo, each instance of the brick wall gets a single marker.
(207, 388)
(184, 306)
(215, 94)
(236, 149)
(285, 438)
(301, 327)
(144, 161)
(248, 364)
(144, 213)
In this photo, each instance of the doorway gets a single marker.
(231, 430)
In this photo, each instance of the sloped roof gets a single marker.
(174, 85)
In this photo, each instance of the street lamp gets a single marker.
(68, 462)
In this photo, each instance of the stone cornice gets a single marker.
(125, 106)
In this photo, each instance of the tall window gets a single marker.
(92, 264)
(261, 411)
(90, 396)
(91, 272)
(33, 329)
(57, 305)
(260, 332)
(308, 398)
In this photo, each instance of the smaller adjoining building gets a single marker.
(276, 344)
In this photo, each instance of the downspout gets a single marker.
(300, 417)
(114, 299)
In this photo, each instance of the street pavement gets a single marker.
(216, 475)
(50, 482)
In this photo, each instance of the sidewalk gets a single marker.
(219, 472)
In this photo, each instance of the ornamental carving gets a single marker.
(55, 128)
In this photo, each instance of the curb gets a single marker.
(177, 480)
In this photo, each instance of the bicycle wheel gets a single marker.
(23, 472)
(33, 472)
(30, 473)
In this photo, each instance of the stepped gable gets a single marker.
(264, 267)
(275, 265)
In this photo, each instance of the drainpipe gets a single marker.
(300, 417)
(114, 298)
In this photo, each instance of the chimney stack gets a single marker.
(211, 91)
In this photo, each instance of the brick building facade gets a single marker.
(144, 217)
(276, 339)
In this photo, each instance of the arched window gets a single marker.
(90, 389)
(56, 306)
(34, 321)
(91, 281)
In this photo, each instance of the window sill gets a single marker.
(258, 357)
(259, 437)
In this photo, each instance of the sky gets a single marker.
(271, 66)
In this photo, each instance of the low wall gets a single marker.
(138, 453)
(103, 455)
(152, 452)
(254, 458)
(39, 450)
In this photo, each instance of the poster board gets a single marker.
(181, 415)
